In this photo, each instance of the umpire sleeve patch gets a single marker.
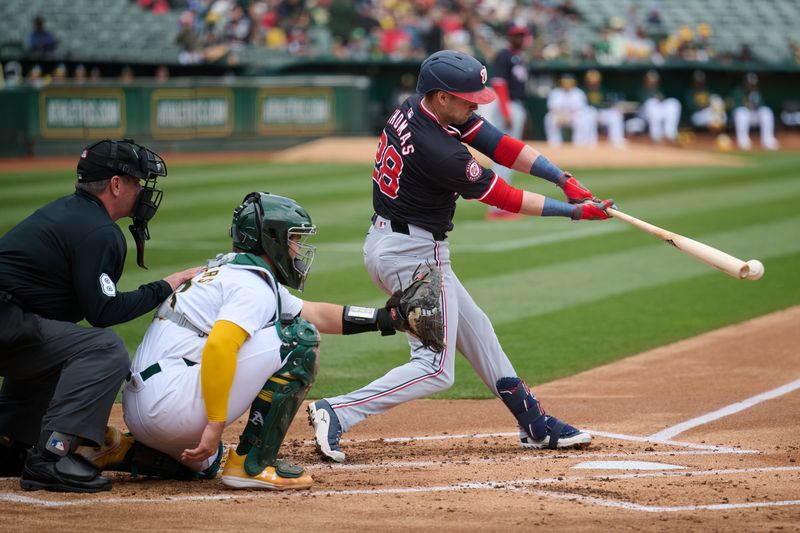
(107, 285)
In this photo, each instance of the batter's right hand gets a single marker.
(575, 191)
(592, 210)
(178, 278)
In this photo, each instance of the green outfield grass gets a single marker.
(563, 297)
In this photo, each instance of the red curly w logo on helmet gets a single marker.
(484, 75)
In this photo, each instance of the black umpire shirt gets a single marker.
(63, 263)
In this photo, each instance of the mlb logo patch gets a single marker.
(57, 444)
(84, 154)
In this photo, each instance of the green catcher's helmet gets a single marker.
(270, 224)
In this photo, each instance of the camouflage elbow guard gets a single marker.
(417, 309)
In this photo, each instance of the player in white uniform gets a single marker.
(230, 339)
(567, 108)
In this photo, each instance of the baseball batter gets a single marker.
(509, 76)
(421, 168)
(234, 338)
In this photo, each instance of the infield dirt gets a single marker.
(455, 465)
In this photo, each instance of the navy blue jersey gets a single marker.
(509, 66)
(421, 168)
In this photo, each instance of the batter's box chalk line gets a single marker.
(515, 486)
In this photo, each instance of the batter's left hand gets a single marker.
(593, 210)
(209, 443)
(575, 191)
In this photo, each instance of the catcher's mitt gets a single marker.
(416, 309)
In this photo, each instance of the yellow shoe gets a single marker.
(282, 476)
(110, 455)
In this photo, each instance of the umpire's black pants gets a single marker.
(58, 376)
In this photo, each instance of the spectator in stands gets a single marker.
(706, 110)
(602, 111)
(35, 78)
(703, 50)
(95, 75)
(662, 114)
(237, 28)
(794, 46)
(13, 74)
(655, 19)
(126, 75)
(162, 74)
(751, 111)
(189, 40)
(567, 108)
(157, 7)
(639, 46)
(41, 41)
(568, 10)
(745, 54)
(59, 76)
(79, 76)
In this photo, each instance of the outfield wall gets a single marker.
(185, 115)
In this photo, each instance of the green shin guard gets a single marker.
(277, 403)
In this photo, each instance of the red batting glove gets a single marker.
(574, 189)
(592, 210)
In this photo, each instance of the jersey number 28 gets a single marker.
(388, 167)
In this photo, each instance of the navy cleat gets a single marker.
(327, 430)
(559, 435)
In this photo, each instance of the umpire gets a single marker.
(57, 267)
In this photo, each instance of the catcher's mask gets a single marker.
(108, 158)
(275, 225)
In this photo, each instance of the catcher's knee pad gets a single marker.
(283, 393)
(524, 406)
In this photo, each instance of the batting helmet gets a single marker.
(269, 224)
(456, 73)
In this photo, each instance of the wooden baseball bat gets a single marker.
(711, 256)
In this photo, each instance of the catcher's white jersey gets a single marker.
(165, 409)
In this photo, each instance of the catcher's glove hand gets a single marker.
(416, 309)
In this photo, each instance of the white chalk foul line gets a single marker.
(512, 485)
(653, 508)
(677, 429)
(618, 436)
(525, 457)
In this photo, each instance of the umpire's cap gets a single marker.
(108, 158)
(456, 73)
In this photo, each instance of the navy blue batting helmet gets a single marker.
(456, 73)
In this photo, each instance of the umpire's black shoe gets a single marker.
(71, 473)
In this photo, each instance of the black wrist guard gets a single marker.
(357, 319)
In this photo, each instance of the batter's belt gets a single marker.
(406, 229)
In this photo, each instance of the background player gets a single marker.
(421, 167)
(509, 76)
(567, 108)
(750, 111)
(601, 111)
(233, 337)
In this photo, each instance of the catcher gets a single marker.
(233, 337)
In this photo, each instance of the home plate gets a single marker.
(626, 465)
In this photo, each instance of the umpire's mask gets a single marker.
(108, 158)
